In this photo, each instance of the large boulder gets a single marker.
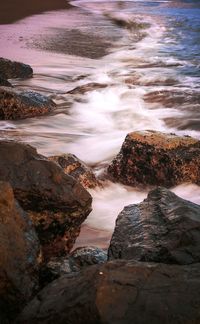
(77, 169)
(120, 292)
(4, 82)
(56, 202)
(11, 69)
(163, 228)
(19, 255)
(154, 158)
(16, 104)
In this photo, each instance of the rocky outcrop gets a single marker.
(76, 168)
(4, 82)
(80, 258)
(163, 228)
(154, 158)
(121, 292)
(11, 69)
(15, 104)
(56, 202)
(19, 255)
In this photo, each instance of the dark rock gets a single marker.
(154, 158)
(19, 255)
(4, 82)
(87, 87)
(80, 258)
(77, 169)
(56, 202)
(120, 292)
(163, 228)
(11, 69)
(15, 104)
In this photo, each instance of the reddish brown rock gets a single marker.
(56, 202)
(11, 69)
(19, 255)
(120, 292)
(154, 158)
(87, 87)
(15, 104)
(76, 168)
(162, 228)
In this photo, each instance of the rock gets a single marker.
(4, 82)
(163, 228)
(56, 202)
(19, 255)
(77, 169)
(120, 292)
(80, 258)
(87, 87)
(15, 104)
(154, 158)
(11, 69)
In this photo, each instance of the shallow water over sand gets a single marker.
(140, 50)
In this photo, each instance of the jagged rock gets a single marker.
(16, 104)
(56, 202)
(4, 82)
(163, 228)
(121, 292)
(77, 169)
(19, 255)
(87, 87)
(154, 158)
(80, 258)
(11, 69)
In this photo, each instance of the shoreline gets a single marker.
(12, 11)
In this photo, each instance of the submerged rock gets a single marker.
(76, 168)
(154, 158)
(56, 202)
(120, 292)
(11, 69)
(162, 228)
(15, 104)
(19, 255)
(87, 87)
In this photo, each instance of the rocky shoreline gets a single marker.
(151, 271)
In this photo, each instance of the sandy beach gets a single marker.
(11, 11)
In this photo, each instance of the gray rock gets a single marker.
(16, 104)
(163, 228)
(120, 292)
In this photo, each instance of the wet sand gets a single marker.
(11, 11)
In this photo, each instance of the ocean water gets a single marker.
(148, 55)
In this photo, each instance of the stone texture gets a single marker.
(154, 158)
(77, 169)
(19, 255)
(11, 69)
(56, 202)
(80, 258)
(16, 104)
(120, 292)
(87, 87)
(163, 228)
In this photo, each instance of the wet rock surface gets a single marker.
(120, 292)
(4, 82)
(19, 255)
(87, 87)
(56, 202)
(76, 168)
(162, 228)
(15, 104)
(11, 69)
(154, 158)
(80, 258)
